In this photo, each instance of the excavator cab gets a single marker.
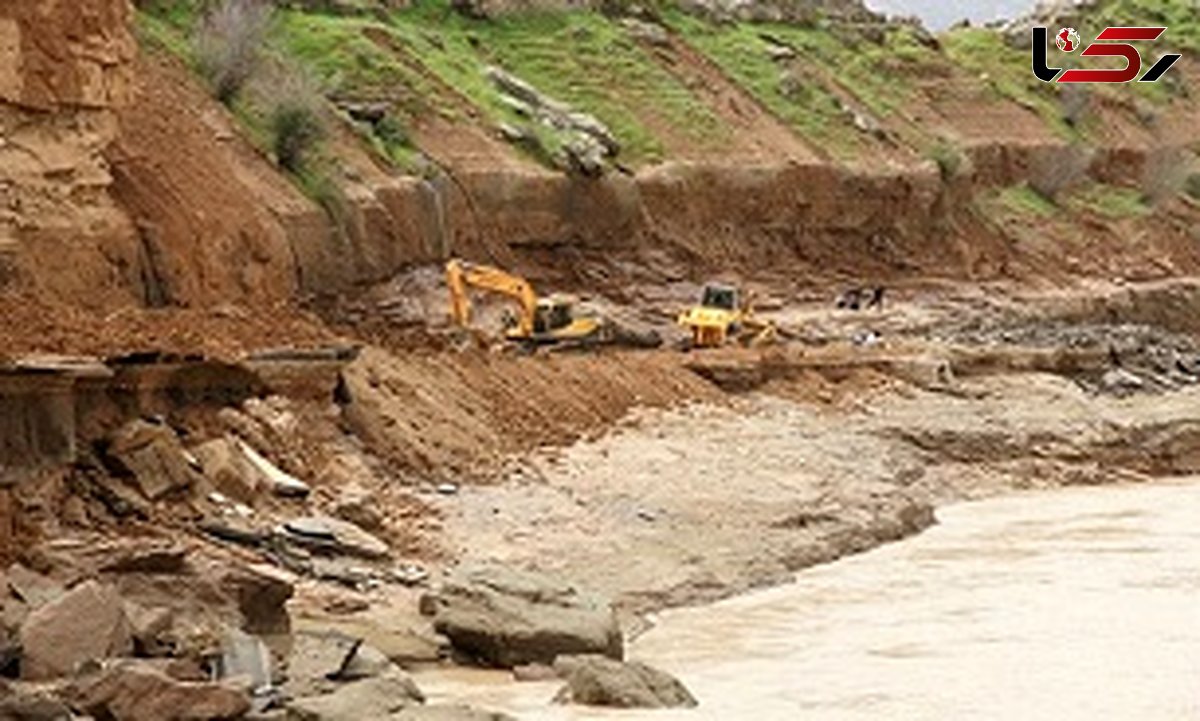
(554, 313)
(722, 297)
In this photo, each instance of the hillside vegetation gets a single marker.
(854, 91)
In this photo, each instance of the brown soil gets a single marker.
(226, 332)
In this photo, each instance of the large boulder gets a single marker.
(135, 691)
(506, 618)
(86, 623)
(372, 698)
(601, 681)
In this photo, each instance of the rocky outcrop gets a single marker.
(600, 681)
(65, 67)
(506, 618)
(57, 54)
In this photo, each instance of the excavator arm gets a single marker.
(461, 276)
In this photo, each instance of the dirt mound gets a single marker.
(227, 331)
(447, 416)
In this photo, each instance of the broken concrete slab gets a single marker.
(153, 455)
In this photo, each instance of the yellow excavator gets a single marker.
(723, 314)
(539, 321)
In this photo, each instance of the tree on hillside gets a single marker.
(229, 42)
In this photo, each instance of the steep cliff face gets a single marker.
(121, 183)
(65, 70)
(215, 221)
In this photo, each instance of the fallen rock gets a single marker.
(506, 618)
(10, 650)
(245, 657)
(34, 588)
(244, 427)
(403, 640)
(280, 483)
(358, 506)
(25, 702)
(165, 558)
(647, 32)
(333, 535)
(1119, 379)
(150, 629)
(601, 681)
(534, 672)
(366, 662)
(449, 713)
(373, 698)
(227, 469)
(261, 593)
(152, 454)
(235, 529)
(320, 659)
(133, 691)
(339, 569)
(87, 623)
(366, 112)
(315, 660)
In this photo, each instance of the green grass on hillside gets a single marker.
(800, 93)
(1016, 202)
(1108, 201)
(584, 59)
(1006, 70)
(348, 61)
(1096, 199)
(1024, 201)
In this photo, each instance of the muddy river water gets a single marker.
(1074, 604)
